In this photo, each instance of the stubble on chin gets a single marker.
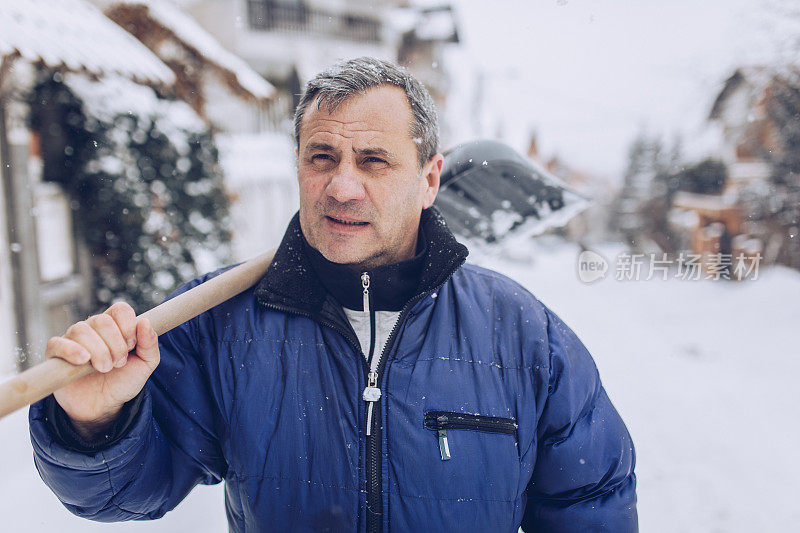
(353, 255)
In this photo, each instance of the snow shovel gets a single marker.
(488, 191)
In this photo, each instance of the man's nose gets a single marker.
(345, 184)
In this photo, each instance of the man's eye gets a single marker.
(375, 161)
(320, 157)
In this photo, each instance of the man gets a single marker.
(371, 381)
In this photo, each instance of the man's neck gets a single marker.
(392, 284)
(374, 262)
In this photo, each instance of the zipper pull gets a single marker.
(371, 395)
(365, 285)
(444, 446)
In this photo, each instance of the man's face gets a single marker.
(361, 188)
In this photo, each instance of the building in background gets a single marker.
(43, 268)
(751, 214)
(288, 41)
(424, 39)
(219, 86)
(748, 133)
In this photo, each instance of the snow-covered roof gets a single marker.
(754, 79)
(75, 35)
(113, 96)
(187, 30)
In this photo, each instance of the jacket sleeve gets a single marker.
(170, 445)
(583, 479)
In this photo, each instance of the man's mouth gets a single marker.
(348, 222)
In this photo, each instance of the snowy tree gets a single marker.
(640, 210)
(142, 174)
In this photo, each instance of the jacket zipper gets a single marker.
(374, 492)
(441, 421)
(371, 392)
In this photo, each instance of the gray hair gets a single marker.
(345, 79)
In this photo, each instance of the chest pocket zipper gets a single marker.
(441, 421)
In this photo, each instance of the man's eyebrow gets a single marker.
(375, 151)
(322, 147)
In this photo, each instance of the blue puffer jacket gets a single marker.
(492, 415)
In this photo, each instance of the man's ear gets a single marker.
(432, 172)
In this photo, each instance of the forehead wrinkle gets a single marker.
(323, 134)
(353, 125)
(358, 126)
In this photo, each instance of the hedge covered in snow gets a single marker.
(143, 176)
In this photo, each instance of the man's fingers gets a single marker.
(109, 331)
(147, 344)
(86, 336)
(68, 350)
(125, 317)
(107, 339)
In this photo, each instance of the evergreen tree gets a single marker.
(645, 199)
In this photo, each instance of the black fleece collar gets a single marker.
(293, 284)
(390, 286)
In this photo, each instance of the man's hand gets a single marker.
(93, 402)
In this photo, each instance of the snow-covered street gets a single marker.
(702, 372)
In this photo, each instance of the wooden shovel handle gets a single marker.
(47, 377)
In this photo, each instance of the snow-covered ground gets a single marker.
(703, 373)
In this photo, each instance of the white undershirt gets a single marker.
(384, 322)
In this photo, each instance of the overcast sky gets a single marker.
(587, 75)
